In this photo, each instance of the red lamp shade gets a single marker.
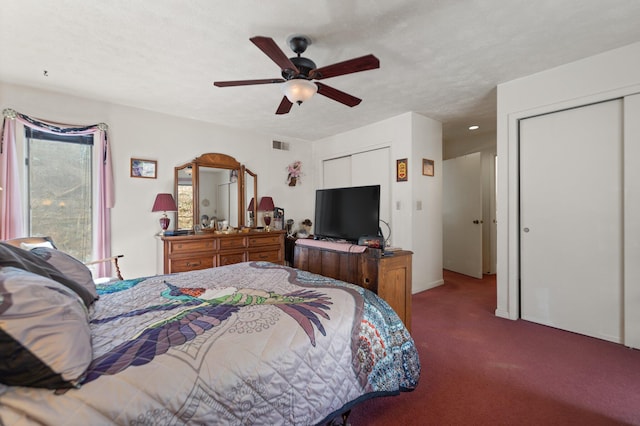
(251, 205)
(164, 203)
(266, 204)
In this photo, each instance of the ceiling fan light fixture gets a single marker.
(299, 90)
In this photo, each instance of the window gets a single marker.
(60, 189)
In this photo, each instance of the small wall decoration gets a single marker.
(294, 172)
(427, 167)
(402, 170)
(144, 168)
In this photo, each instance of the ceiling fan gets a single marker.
(297, 73)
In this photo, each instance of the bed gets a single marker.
(250, 343)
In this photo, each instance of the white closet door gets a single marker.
(632, 221)
(360, 169)
(571, 220)
(336, 173)
(373, 168)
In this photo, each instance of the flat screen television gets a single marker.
(347, 213)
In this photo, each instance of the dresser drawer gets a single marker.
(232, 242)
(231, 258)
(190, 263)
(191, 246)
(274, 255)
(190, 252)
(266, 240)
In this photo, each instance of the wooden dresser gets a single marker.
(387, 276)
(208, 250)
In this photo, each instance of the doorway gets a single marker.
(468, 208)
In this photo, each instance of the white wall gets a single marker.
(605, 76)
(171, 141)
(414, 137)
(480, 142)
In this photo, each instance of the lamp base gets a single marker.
(164, 223)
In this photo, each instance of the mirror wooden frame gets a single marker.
(255, 195)
(218, 161)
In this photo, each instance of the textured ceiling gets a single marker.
(439, 58)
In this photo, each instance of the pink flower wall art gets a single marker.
(294, 172)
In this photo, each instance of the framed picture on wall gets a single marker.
(427, 167)
(402, 170)
(144, 168)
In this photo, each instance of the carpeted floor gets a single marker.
(478, 369)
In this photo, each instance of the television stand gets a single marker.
(387, 276)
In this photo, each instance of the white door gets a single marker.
(462, 215)
(571, 220)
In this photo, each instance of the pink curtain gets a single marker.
(11, 215)
(11, 198)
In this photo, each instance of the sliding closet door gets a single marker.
(373, 168)
(361, 169)
(632, 221)
(336, 172)
(571, 220)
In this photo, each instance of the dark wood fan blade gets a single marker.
(285, 106)
(271, 49)
(247, 82)
(337, 95)
(363, 63)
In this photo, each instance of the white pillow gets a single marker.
(29, 246)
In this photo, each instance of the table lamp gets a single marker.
(266, 205)
(164, 203)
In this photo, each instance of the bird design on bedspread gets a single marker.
(201, 309)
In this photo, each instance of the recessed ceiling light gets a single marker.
(474, 127)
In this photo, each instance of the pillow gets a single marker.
(25, 260)
(71, 267)
(29, 246)
(45, 339)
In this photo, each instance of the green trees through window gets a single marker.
(60, 190)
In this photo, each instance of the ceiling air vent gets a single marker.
(283, 146)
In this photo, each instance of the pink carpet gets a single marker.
(478, 369)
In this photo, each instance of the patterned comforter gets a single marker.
(252, 343)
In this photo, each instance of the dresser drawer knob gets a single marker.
(190, 264)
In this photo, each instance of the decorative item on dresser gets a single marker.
(388, 276)
(208, 250)
(164, 203)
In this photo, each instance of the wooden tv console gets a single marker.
(387, 276)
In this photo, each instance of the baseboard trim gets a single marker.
(427, 286)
